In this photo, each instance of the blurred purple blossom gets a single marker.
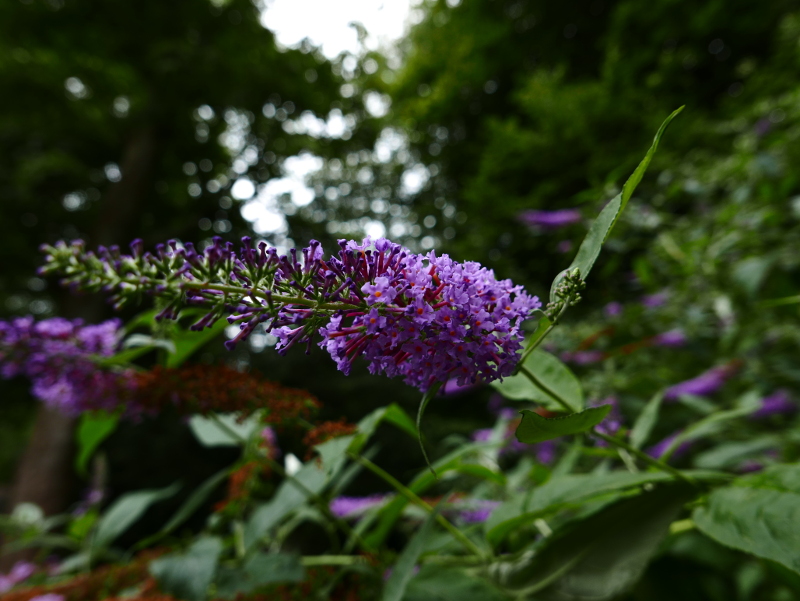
(612, 309)
(21, 571)
(354, 507)
(672, 338)
(705, 384)
(778, 403)
(658, 449)
(564, 246)
(582, 357)
(48, 597)
(651, 301)
(477, 511)
(57, 356)
(613, 421)
(550, 220)
(452, 387)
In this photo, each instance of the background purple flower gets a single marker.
(582, 357)
(477, 511)
(651, 301)
(672, 338)
(21, 571)
(658, 449)
(550, 220)
(57, 356)
(778, 403)
(705, 384)
(612, 309)
(354, 507)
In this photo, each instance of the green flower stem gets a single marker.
(333, 560)
(413, 498)
(664, 467)
(561, 400)
(619, 443)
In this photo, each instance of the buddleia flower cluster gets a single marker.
(425, 318)
(59, 357)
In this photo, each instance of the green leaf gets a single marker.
(434, 583)
(291, 495)
(195, 500)
(553, 374)
(187, 342)
(395, 415)
(403, 570)
(535, 428)
(602, 226)
(757, 514)
(223, 429)
(92, 430)
(568, 491)
(602, 556)
(125, 511)
(646, 421)
(188, 575)
(728, 455)
(259, 570)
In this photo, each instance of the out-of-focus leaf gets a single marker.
(188, 575)
(553, 374)
(194, 501)
(602, 226)
(750, 273)
(757, 514)
(568, 491)
(434, 583)
(601, 557)
(187, 342)
(395, 415)
(210, 434)
(291, 494)
(403, 570)
(729, 454)
(259, 570)
(647, 419)
(535, 428)
(92, 430)
(125, 511)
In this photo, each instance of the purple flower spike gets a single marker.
(672, 338)
(778, 403)
(550, 220)
(705, 384)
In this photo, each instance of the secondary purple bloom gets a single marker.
(778, 403)
(57, 355)
(21, 571)
(658, 449)
(355, 507)
(477, 511)
(705, 384)
(612, 309)
(582, 357)
(49, 597)
(672, 338)
(550, 220)
(613, 421)
(651, 301)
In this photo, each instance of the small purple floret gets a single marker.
(550, 220)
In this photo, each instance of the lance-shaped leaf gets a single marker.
(93, 429)
(535, 428)
(602, 226)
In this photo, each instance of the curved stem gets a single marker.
(664, 467)
(413, 498)
(557, 397)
